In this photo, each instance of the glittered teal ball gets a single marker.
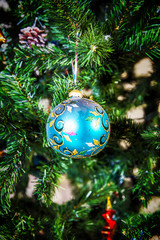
(78, 128)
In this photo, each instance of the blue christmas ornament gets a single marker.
(78, 127)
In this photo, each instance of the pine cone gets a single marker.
(32, 36)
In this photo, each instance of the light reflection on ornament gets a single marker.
(70, 126)
(95, 124)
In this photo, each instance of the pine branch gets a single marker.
(60, 87)
(50, 174)
(142, 36)
(145, 187)
(16, 225)
(143, 41)
(93, 48)
(115, 15)
(153, 51)
(141, 226)
(42, 58)
(11, 169)
(152, 136)
(60, 229)
(27, 11)
(46, 184)
(20, 95)
(68, 14)
(123, 15)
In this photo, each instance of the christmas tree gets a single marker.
(108, 50)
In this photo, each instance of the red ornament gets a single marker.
(109, 228)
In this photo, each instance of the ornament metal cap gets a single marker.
(109, 205)
(75, 93)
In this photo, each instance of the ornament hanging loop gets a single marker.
(75, 68)
(76, 57)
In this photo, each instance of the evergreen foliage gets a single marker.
(111, 41)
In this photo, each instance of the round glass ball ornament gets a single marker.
(78, 127)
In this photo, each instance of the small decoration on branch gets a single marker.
(32, 36)
(2, 38)
(110, 226)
